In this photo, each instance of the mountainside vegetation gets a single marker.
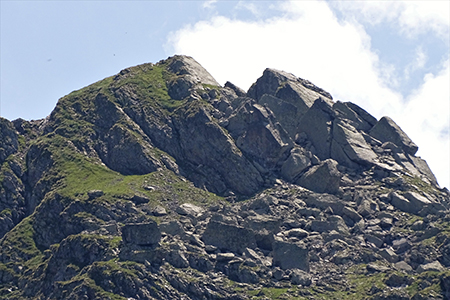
(158, 183)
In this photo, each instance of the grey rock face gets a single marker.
(141, 233)
(432, 266)
(272, 80)
(8, 139)
(386, 130)
(352, 144)
(289, 188)
(296, 163)
(189, 209)
(258, 136)
(323, 178)
(229, 237)
(290, 256)
(186, 65)
(317, 125)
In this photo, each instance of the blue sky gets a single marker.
(390, 57)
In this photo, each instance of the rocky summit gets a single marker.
(158, 183)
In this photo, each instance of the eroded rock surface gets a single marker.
(158, 183)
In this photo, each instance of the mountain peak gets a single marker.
(158, 183)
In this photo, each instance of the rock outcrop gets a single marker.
(158, 183)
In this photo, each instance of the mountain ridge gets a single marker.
(160, 174)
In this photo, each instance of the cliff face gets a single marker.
(158, 183)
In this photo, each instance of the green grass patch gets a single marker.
(19, 240)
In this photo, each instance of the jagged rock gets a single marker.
(177, 259)
(358, 117)
(261, 222)
(225, 256)
(9, 143)
(317, 125)
(239, 92)
(189, 209)
(323, 178)
(141, 233)
(413, 204)
(214, 156)
(297, 232)
(159, 211)
(370, 238)
(349, 142)
(403, 266)
(257, 136)
(389, 255)
(173, 227)
(290, 256)
(367, 207)
(300, 277)
(295, 164)
(351, 213)
(366, 202)
(386, 130)
(182, 65)
(432, 266)
(287, 87)
(401, 245)
(332, 223)
(228, 237)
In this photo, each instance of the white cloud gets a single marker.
(310, 42)
(427, 119)
(209, 4)
(413, 17)
(418, 62)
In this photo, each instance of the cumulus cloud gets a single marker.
(209, 4)
(427, 118)
(309, 41)
(413, 17)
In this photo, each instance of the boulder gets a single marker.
(416, 199)
(189, 209)
(290, 256)
(297, 233)
(295, 164)
(323, 178)
(141, 233)
(173, 227)
(229, 237)
(332, 223)
(300, 277)
(401, 203)
(386, 130)
(351, 214)
(422, 166)
(186, 65)
(347, 140)
(358, 117)
(434, 266)
(389, 255)
(403, 266)
(409, 202)
(317, 125)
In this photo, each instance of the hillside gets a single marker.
(158, 183)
